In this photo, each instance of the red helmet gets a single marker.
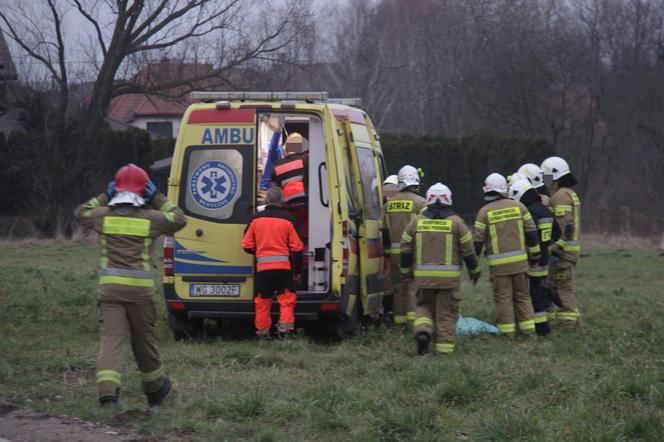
(131, 178)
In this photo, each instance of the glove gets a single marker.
(110, 189)
(150, 191)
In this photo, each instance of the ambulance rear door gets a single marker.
(217, 192)
(366, 165)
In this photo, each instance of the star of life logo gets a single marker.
(213, 185)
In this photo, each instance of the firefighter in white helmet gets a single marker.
(510, 235)
(433, 246)
(566, 207)
(390, 189)
(390, 186)
(399, 211)
(536, 178)
(524, 192)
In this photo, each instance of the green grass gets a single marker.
(603, 382)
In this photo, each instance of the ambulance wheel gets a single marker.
(342, 327)
(184, 328)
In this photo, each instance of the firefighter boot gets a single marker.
(423, 343)
(157, 397)
(109, 401)
(542, 328)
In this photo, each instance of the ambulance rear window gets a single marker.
(369, 179)
(215, 185)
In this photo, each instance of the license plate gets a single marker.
(226, 290)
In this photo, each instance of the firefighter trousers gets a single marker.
(127, 310)
(561, 280)
(540, 298)
(514, 309)
(403, 302)
(436, 314)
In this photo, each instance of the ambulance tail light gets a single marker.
(174, 305)
(346, 248)
(168, 256)
(329, 307)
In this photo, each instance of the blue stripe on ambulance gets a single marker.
(183, 253)
(203, 269)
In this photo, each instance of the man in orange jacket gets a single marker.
(271, 236)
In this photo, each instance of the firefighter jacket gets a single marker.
(507, 229)
(271, 236)
(290, 174)
(399, 211)
(546, 200)
(126, 235)
(433, 246)
(566, 207)
(549, 232)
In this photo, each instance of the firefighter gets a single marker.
(271, 236)
(510, 235)
(549, 231)
(399, 211)
(129, 216)
(566, 207)
(390, 187)
(291, 174)
(536, 178)
(433, 245)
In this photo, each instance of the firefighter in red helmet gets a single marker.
(128, 216)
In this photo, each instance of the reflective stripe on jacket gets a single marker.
(126, 234)
(290, 174)
(399, 211)
(566, 207)
(439, 246)
(502, 226)
(271, 236)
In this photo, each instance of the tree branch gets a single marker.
(94, 23)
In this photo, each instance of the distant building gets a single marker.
(160, 114)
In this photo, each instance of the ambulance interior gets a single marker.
(316, 276)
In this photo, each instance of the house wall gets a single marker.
(143, 121)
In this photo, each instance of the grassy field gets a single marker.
(602, 383)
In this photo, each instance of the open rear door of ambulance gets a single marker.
(217, 192)
(366, 167)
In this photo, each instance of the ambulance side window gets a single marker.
(214, 185)
(350, 183)
(370, 183)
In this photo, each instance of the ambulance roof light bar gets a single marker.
(257, 96)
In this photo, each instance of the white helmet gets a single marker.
(495, 183)
(439, 195)
(533, 173)
(392, 179)
(516, 176)
(555, 166)
(408, 176)
(519, 188)
(127, 197)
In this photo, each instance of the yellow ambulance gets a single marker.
(217, 178)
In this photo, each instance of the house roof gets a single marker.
(7, 68)
(129, 107)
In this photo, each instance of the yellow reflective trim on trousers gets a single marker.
(400, 319)
(508, 259)
(538, 273)
(109, 376)
(103, 261)
(444, 348)
(122, 225)
(448, 249)
(145, 254)
(423, 322)
(410, 316)
(540, 319)
(567, 316)
(153, 375)
(494, 239)
(506, 328)
(437, 273)
(466, 238)
(123, 280)
(527, 325)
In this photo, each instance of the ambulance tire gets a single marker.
(343, 327)
(185, 328)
